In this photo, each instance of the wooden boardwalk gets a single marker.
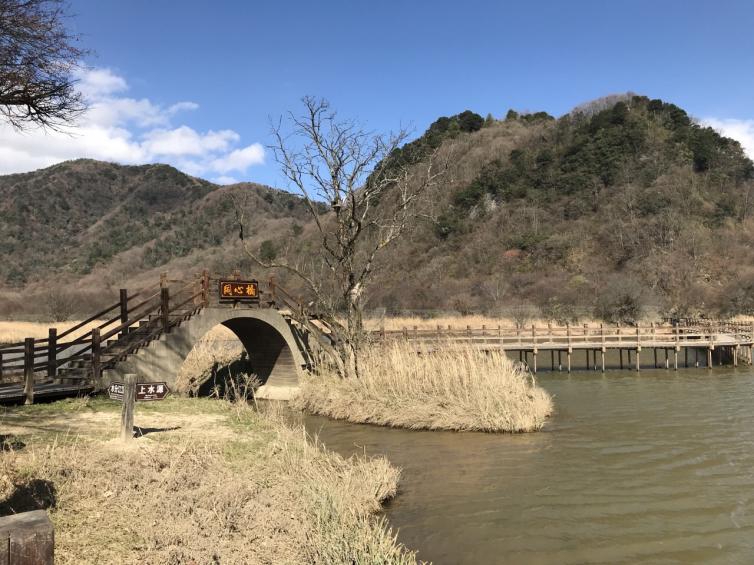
(727, 342)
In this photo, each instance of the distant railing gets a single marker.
(586, 336)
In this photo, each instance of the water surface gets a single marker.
(652, 467)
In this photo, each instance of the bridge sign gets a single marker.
(144, 391)
(243, 291)
(116, 391)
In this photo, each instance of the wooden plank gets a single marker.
(27, 538)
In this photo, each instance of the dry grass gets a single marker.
(453, 388)
(240, 488)
(12, 331)
(219, 345)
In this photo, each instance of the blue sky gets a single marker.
(193, 83)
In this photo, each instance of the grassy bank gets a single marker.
(208, 482)
(454, 388)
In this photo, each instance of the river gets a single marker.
(654, 467)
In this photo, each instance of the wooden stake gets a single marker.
(29, 370)
(52, 353)
(127, 412)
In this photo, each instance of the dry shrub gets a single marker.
(219, 347)
(451, 388)
(254, 491)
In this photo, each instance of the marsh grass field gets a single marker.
(205, 481)
(450, 388)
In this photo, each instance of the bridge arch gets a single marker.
(274, 351)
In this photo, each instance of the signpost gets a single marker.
(239, 291)
(144, 391)
(128, 392)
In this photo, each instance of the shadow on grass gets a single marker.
(223, 380)
(10, 443)
(139, 431)
(37, 494)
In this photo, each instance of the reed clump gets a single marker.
(450, 387)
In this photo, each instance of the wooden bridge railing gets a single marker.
(616, 336)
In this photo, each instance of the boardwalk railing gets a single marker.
(597, 339)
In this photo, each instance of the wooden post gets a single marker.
(620, 353)
(534, 360)
(686, 356)
(165, 308)
(675, 358)
(735, 355)
(560, 362)
(638, 357)
(602, 351)
(52, 353)
(96, 351)
(27, 538)
(205, 287)
(29, 370)
(123, 305)
(655, 356)
(569, 359)
(552, 360)
(127, 412)
(667, 362)
(273, 293)
(163, 280)
(709, 357)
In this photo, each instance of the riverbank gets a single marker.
(453, 388)
(206, 482)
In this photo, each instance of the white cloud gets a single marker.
(95, 83)
(224, 180)
(186, 141)
(129, 131)
(240, 159)
(740, 130)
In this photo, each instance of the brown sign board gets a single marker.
(239, 290)
(144, 391)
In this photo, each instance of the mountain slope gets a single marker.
(105, 222)
(622, 206)
(612, 209)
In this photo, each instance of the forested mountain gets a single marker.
(91, 227)
(622, 206)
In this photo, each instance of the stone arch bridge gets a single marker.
(152, 331)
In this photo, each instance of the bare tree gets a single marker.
(37, 58)
(361, 196)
